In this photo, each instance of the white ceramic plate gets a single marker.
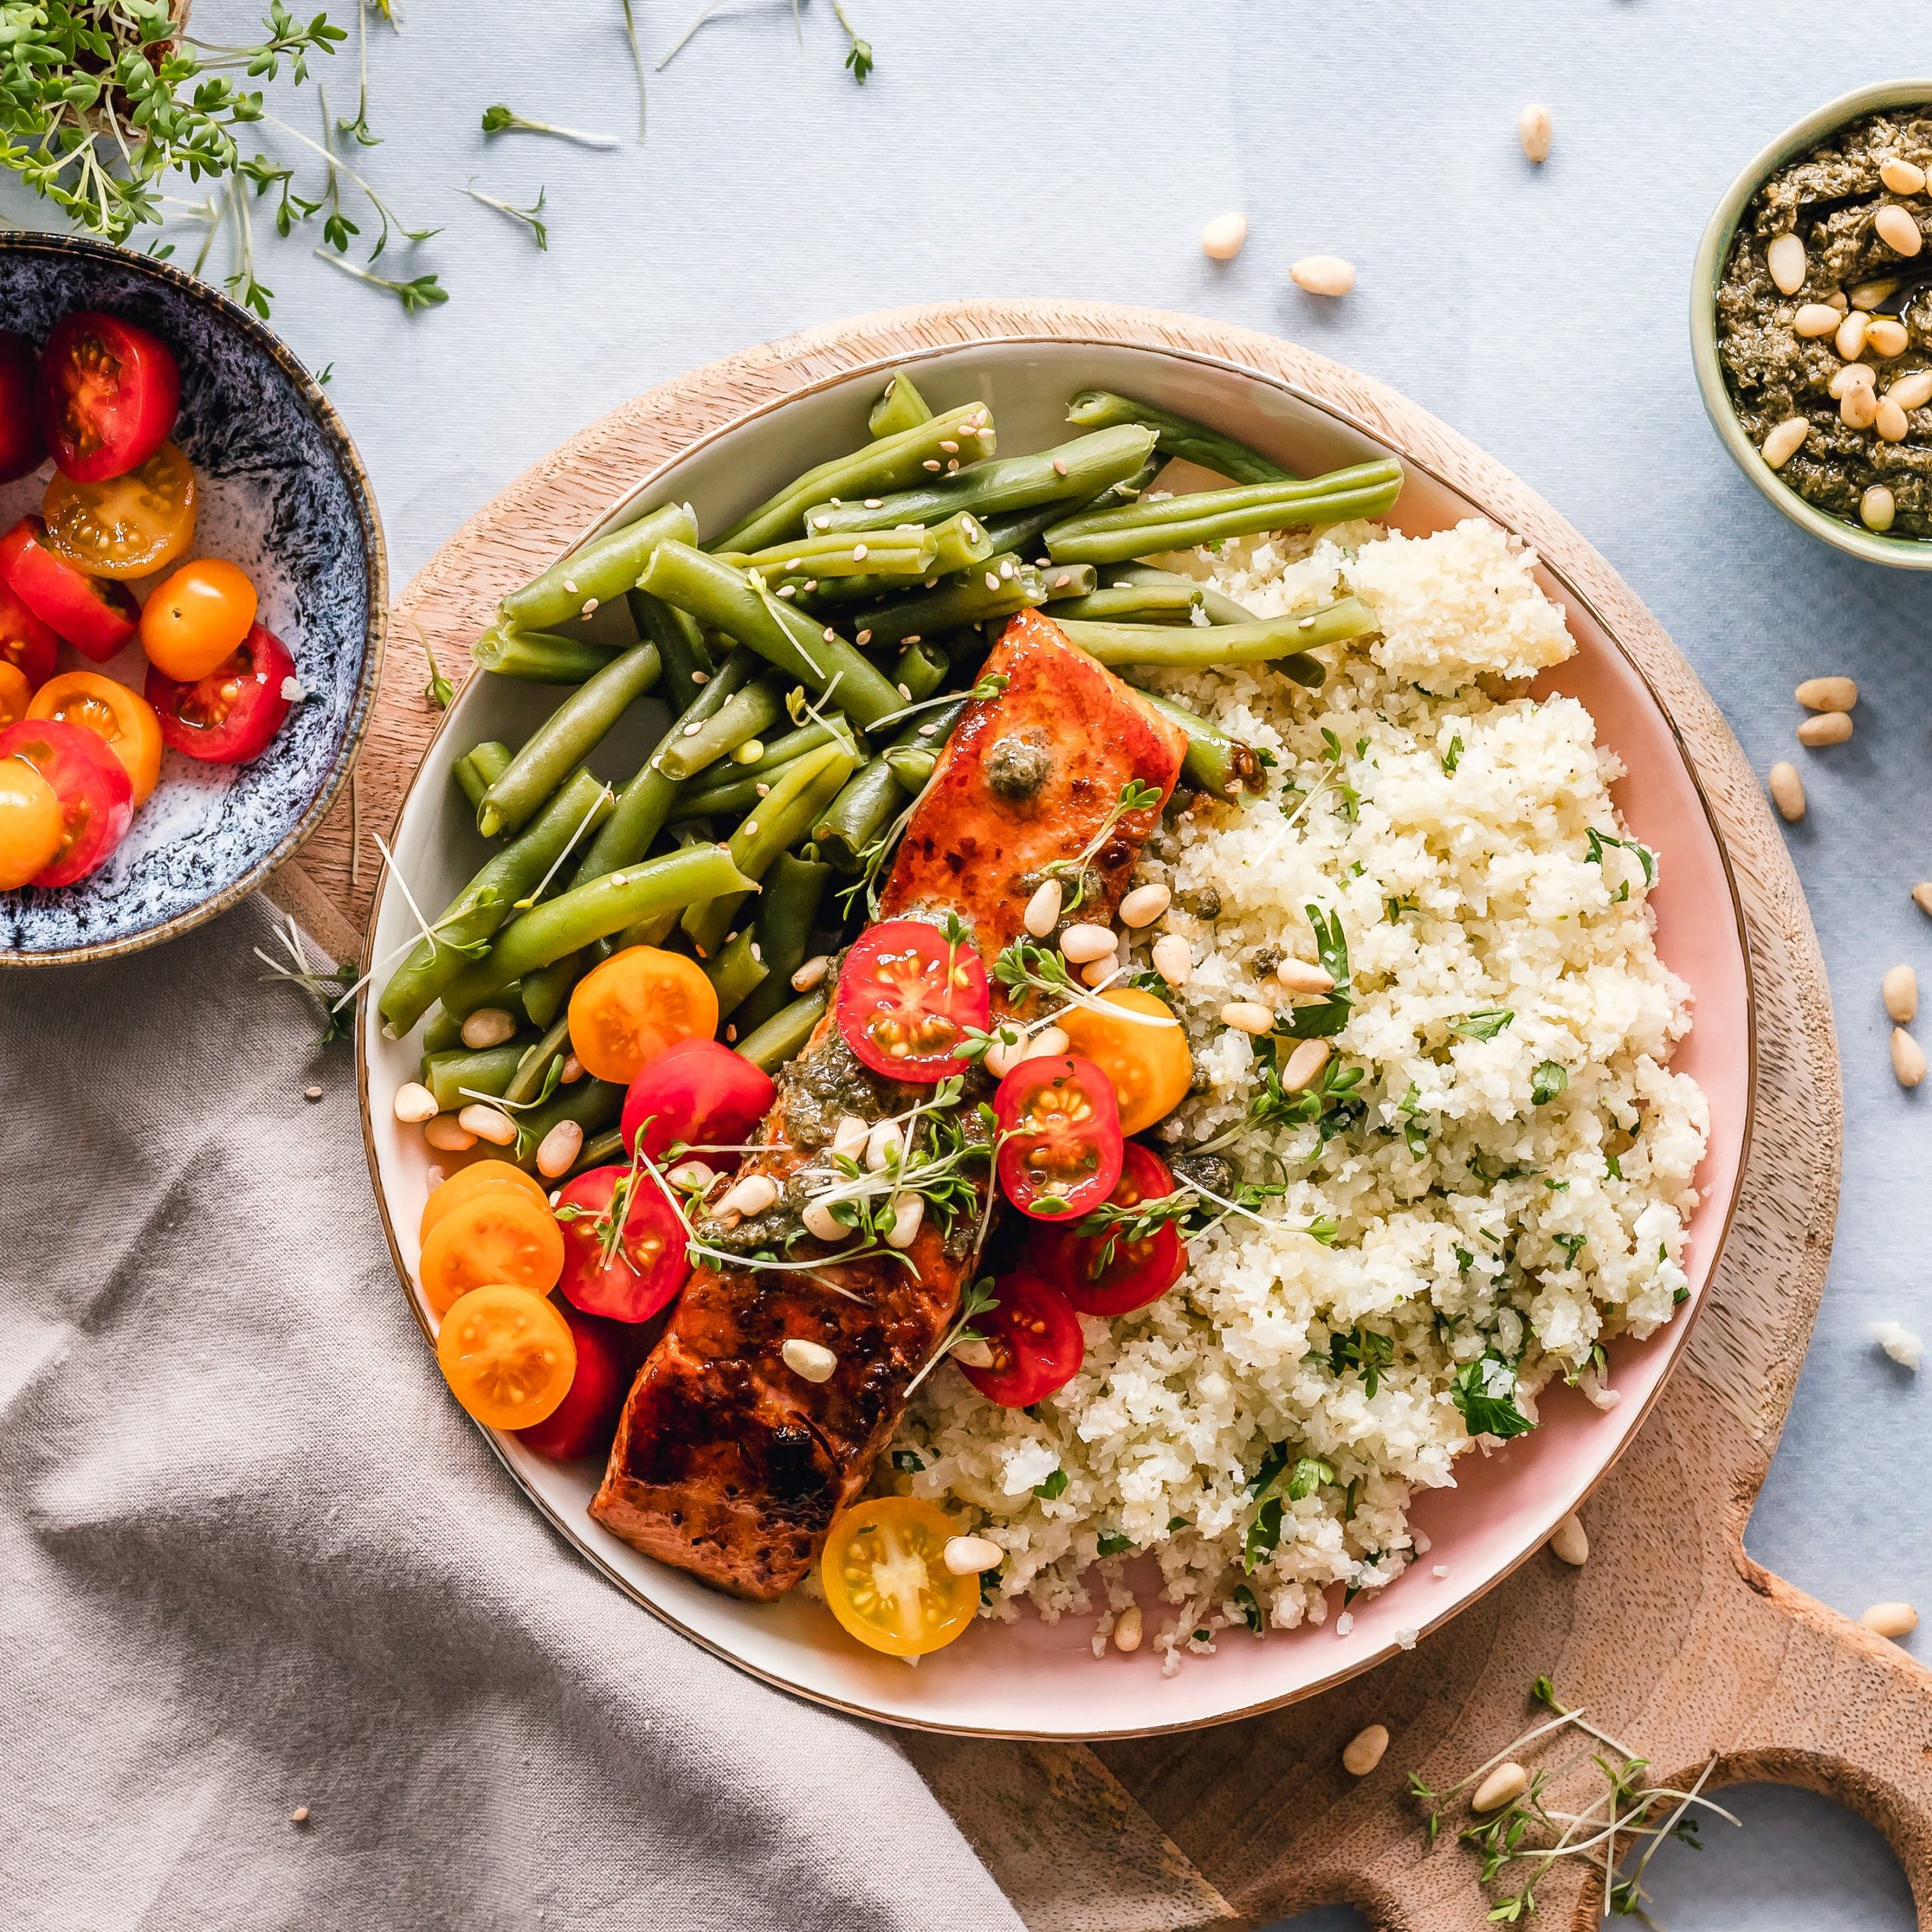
(1032, 1679)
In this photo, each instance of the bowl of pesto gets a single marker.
(1811, 323)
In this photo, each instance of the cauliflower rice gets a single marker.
(1505, 1190)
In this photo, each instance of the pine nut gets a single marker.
(1877, 507)
(1783, 442)
(1826, 727)
(1836, 299)
(810, 973)
(1568, 1542)
(1503, 1785)
(1896, 228)
(971, 1556)
(908, 1211)
(1921, 896)
(1174, 959)
(822, 1224)
(1815, 318)
(1533, 131)
(1144, 905)
(884, 1145)
(1300, 977)
(974, 1354)
(1902, 177)
(1858, 408)
(488, 1026)
(812, 1362)
(1849, 339)
(557, 1151)
(1787, 792)
(1852, 374)
(448, 1135)
(1097, 972)
(1891, 1620)
(1908, 1058)
(1890, 420)
(488, 1123)
(849, 1137)
(1005, 1053)
(1785, 258)
(1324, 274)
(1042, 912)
(1900, 989)
(1247, 1016)
(1831, 694)
(1049, 1043)
(1307, 1060)
(1886, 336)
(572, 1071)
(1222, 239)
(1869, 294)
(413, 1104)
(751, 1195)
(1083, 942)
(1127, 1629)
(1912, 392)
(1363, 1751)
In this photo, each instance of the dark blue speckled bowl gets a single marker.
(284, 496)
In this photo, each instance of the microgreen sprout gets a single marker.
(330, 990)
(859, 51)
(604, 796)
(531, 217)
(987, 688)
(501, 120)
(978, 1299)
(423, 291)
(1135, 796)
(438, 692)
(637, 62)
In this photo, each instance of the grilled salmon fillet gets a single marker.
(726, 1463)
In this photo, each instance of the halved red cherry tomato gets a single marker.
(96, 618)
(22, 447)
(699, 1093)
(1107, 1274)
(109, 393)
(25, 643)
(583, 1423)
(129, 526)
(227, 717)
(628, 1274)
(1060, 1152)
(1035, 1339)
(907, 995)
(97, 795)
(193, 620)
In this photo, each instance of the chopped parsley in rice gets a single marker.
(1503, 1190)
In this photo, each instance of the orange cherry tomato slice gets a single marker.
(129, 525)
(32, 824)
(473, 1180)
(508, 1356)
(1149, 1065)
(97, 795)
(885, 1578)
(193, 621)
(498, 1235)
(122, 719)
(639, 1002)
(15, 693)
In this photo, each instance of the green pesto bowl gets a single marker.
(1901, 553)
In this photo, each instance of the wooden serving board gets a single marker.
(1676, 1642)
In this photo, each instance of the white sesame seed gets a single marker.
(993, 579)
(911, 637)
(949, 446)
(930, 462)
(864, 637)
(1059, 465)
(788, 590)
(570, 587)
(751, 828)
(858, 553)
(875, 504)
(905, 692)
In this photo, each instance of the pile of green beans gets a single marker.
(813, 659)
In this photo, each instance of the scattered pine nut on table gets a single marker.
(1825, 727)
(1364, 1750)
(1787, 790)
(1830, 693)
(1900, 990)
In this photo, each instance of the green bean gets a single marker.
(796, 802)
(601, 1150)
(1062, 582)
(920, 671)
(457, 1079)
(653, 931)
(1098, 409)
(736, 972)
(591, 1103)
(547, 989)
(782, 1036)
(1160, 599)
(487, 902)
(995, 588)
(1022, 530)
(891, 463)
(1216, 761)
(930, 727)
(960, 540)
(540, 657)
(688, 664)
(713, 795)
(912, 765)
(871, 798)
(444, 1033)
(479, 767)
(1219, 610)
(1281, 642)
(693, 744)
(533, 1069)
(595, 911)
(716, 593)
(905, 553)
(787, 910)
(1073, 471)
(605, 568)
(1209, 516)
(644, 803)
(565, 739)
(901, 408)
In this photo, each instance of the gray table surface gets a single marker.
(1075, 150)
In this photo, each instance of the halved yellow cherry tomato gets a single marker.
(31, 823)
(885, 1575)
(1150, 1066)
(628, 1010)
(121, 718)
(508, 1356)
(473, 1180)
(129, 526)
(197, 619)
(498, 1234)
(15, 692)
